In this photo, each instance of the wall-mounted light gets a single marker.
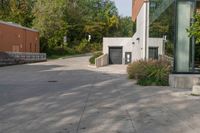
(133, 43)
(165, 38)
(138, 38)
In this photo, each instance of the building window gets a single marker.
(153, 53)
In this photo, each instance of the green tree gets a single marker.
(126, 27)
(17, 11)
(50, 21)
(194, 30)
(75, 18)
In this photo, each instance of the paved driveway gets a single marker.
(67, 96)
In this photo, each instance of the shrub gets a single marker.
(94, 56)
(85, 47)
(152, 72)
(61, 51)
(135, 70)
(95, 47)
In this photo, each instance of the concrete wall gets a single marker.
(156, 42)
(15, 38)
(183, 81)
(12, 58)
(141, 32)
(101, 61)
(126, 43)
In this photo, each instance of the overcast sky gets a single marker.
(124, 7)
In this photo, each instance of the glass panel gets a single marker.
(184, 15)
(157, 7)
(183, 41)
(172, 18)
(164, 25)
(197, 46)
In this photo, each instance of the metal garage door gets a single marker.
(115, 55)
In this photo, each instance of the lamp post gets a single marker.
(89, 38)
(64, 41)
(164, 43)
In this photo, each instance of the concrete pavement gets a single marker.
(67, 96)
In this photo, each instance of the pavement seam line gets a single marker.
(84, 108)
(126, 110)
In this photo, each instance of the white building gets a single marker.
(140, 46)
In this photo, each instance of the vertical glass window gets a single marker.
(197, 46)
(172, 18)
(182, 39)
(183, 42)
(162, 22)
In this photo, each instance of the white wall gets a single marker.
(124, 42)
(128, 46)
(156, 42)
(136, 45)
(140, 31)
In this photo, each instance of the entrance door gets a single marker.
(115, 55)
(153, 53)
(128, 57)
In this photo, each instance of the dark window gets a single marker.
(153, 53)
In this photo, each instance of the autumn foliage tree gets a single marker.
(75, 19)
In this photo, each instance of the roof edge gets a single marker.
(17, 26)
(136, 7)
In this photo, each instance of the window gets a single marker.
(153, 53)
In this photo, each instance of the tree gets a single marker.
(126, 27)
(50, 21)
(194, 30)
(75, 18)
(17, 11)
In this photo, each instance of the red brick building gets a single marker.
(16, 38)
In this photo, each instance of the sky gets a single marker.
(124, 7)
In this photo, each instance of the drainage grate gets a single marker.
(52, 81)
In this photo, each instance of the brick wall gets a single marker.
(16, 39)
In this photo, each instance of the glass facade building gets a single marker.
(172, 18)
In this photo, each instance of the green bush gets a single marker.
(61, 51)
(94, 56)
(152, 72)
(135, 70)
(95, 47)
(85, 47)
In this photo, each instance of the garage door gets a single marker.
(115, 55)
